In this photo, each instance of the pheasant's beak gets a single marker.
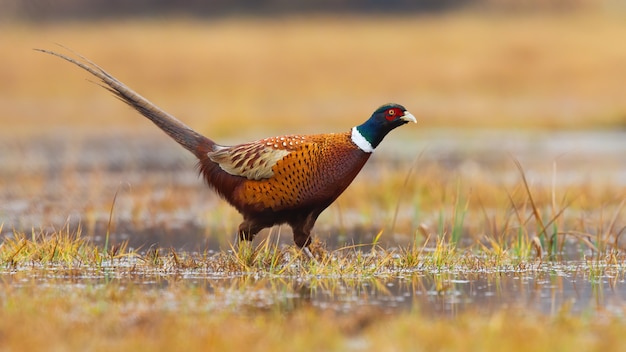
(408, 117)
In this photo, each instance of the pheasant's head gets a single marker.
(387, 117)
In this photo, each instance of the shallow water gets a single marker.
(542, 288)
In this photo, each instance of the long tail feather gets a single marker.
(176, 129)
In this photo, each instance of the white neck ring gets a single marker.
(360, 141)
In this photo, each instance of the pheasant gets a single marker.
(279, 180)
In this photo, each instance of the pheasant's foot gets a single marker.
(308, 253)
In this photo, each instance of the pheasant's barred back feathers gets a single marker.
(312, 169)
(253, 161)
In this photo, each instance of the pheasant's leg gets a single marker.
(248, 229)
(302, 231)
(303, 240)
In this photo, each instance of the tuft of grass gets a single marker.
(458, 217)
(266, 256)
(547, 232)
(60, 248)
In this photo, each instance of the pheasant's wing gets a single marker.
(253, 160)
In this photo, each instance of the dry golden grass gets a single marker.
(322, 73)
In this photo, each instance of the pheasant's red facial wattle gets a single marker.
(393, 113)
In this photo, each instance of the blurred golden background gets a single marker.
(543, 82)
(248, 73)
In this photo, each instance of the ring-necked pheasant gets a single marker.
(289, 179)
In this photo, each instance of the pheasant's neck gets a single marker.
(361, 141)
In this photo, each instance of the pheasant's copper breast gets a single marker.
(316, 170)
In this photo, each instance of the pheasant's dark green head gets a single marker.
(387, 117)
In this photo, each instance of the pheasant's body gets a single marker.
(303, 175)
(284, 177)
(287, 179)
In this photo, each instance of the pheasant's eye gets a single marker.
(390, 115)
